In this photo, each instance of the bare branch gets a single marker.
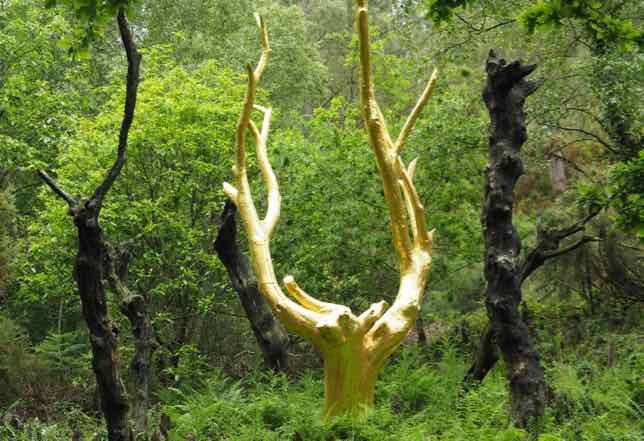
(414, 207)
(371, 314)
(548, 246)
(570, 162)
(305, 299)
(389, 330)
(274, 198)
(51, 182)
(590, 114)
(132, 84)
(585, 132)
(298, 318)
(572, 247)
(413, 116)
(266, 49)
(266, 123)
(231, 192)
(381, 143)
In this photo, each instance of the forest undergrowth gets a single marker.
(595, 394)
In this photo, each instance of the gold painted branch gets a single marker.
(354, 348)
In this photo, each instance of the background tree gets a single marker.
(270, 335)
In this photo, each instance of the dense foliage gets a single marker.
(61, 95)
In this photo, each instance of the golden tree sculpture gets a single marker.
(354, 347)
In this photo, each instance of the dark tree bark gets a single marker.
(485, 358)
(90, 263)
(420, 331)
(141, 365)
(504, 94)
(271, 336)
(133, 306)
(548, 246)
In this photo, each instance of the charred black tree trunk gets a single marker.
(141, 366)
(548, 246)
(90, 263)
(90, 278)
(504, 94)
(271, 336)
(133, 306)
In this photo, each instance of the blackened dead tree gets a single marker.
(549, 245)
(504, 94)
(133, 306)
(92, 254)
(269, 333)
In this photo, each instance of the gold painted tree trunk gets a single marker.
(354, 347)
(349, 379)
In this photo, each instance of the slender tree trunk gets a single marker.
(141, 366)
(90, 278)
(134, 308)
(269, 333)
(504, 95)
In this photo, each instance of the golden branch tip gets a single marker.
(231, 192)
(411, 168)
(418, 108)
(304, 299)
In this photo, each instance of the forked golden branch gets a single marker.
(354, 348)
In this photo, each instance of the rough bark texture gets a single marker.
(90, 270)
(133, 306)
(90, 278)
(269, 333)
(548, 246)
(504, 94)
(141, 366)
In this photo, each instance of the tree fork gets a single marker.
(548, 247)
(354, 347)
